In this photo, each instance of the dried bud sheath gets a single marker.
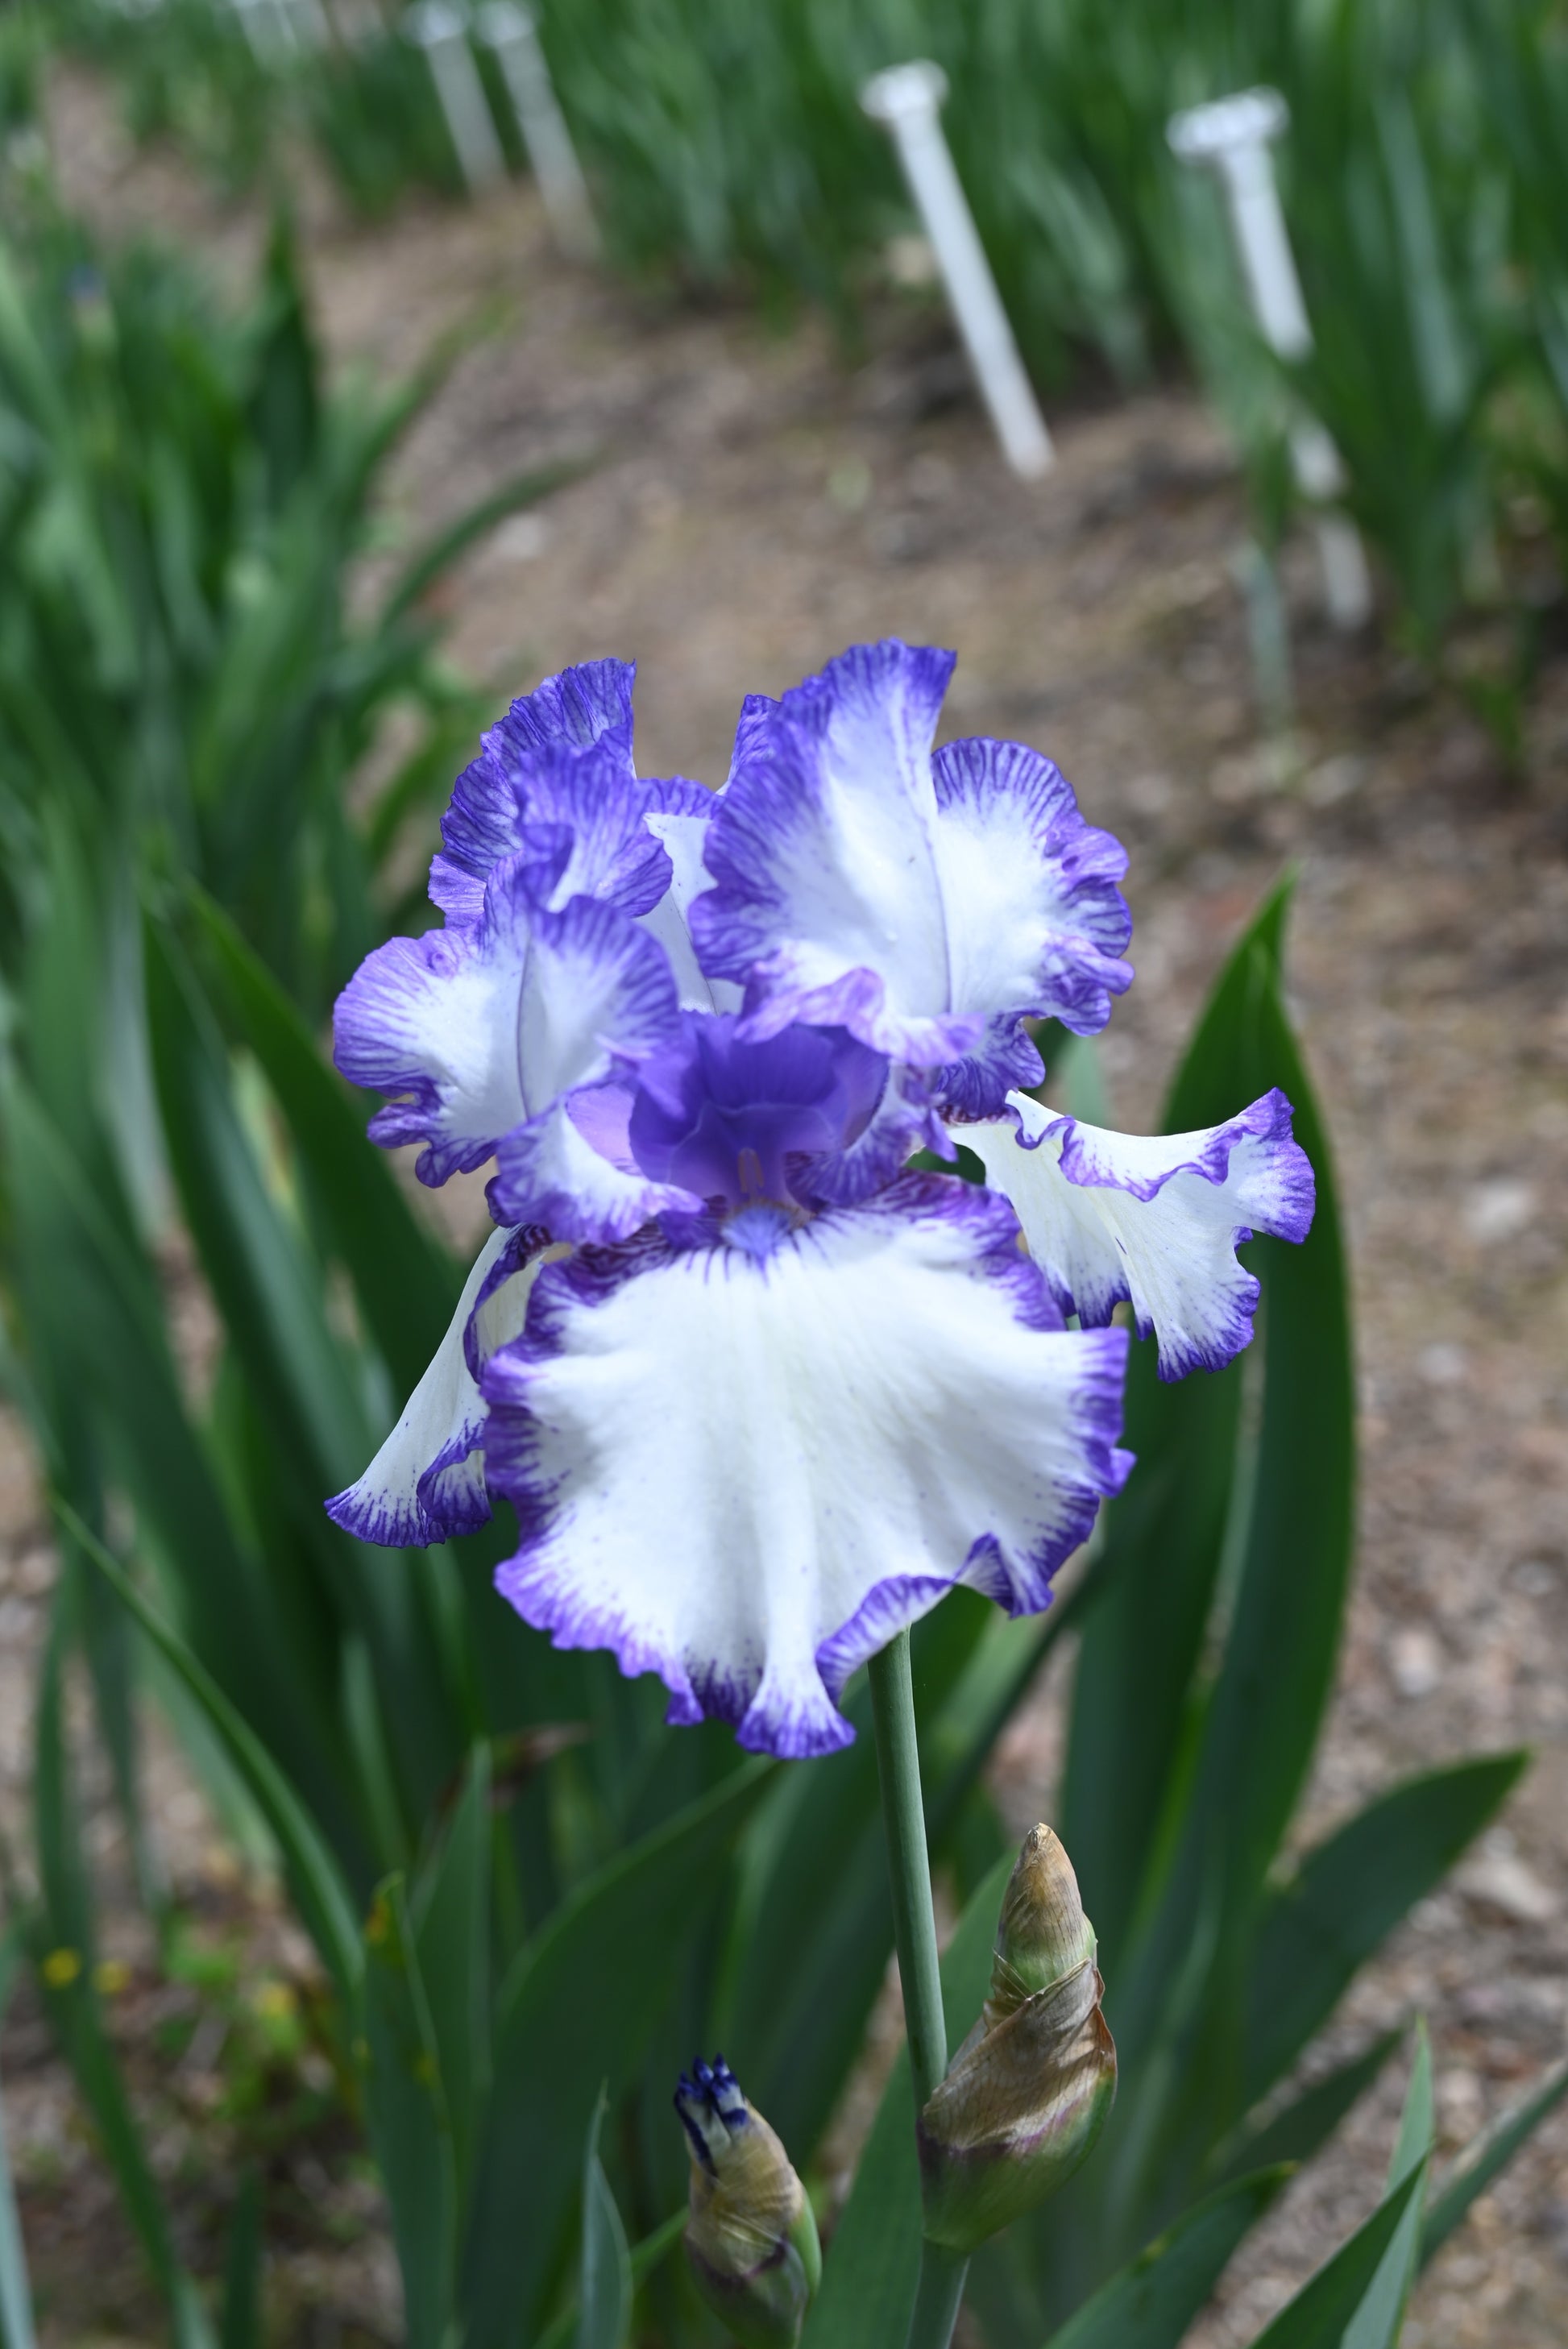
(1028, 2091)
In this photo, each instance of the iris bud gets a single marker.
(751, 2238)
(1029, 2089)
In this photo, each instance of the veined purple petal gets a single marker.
(427, 1481)
(566, 1169)
(476, 1030)
(585, 834)
(746, 1471)
(554, 783)
(1153, 1219)
(573, 710)
(926, 904)
(1036, 920)
(826, 904)
(728, 1118)
(1005, 1059)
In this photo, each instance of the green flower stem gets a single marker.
(941, 2272)
(936, 2305)
(908, 1866)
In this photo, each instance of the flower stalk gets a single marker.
(941, 2271)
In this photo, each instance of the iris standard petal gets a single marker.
(925, 903)
(427, 1481)
(828, 906)
(474, 1031)
(1154, 1219)
(584, 832)
(482, 825)
(745, 1466)
(1035, 921)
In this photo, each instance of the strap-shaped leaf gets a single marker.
(423, 569)
(1488, 2154)
(410, 2129)
(645, 2256)
(450, 1905)
(405, 1284)
(1231, 1804)
(1295, 2133)
(1351, 1891)
(63, 1939)
(1143, 1631)
(242, 2269)
(95, 1331)
(306, 1388)
(579, 2009)
(15, 2292)
(316, 1881)
(268, 1291)
(1317, 2316)
(1377, 2320)
(603, 2263)
(873, 2262)
(1156, 2296)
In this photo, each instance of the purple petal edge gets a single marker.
(591, 1275)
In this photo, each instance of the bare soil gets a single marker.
(752, 502)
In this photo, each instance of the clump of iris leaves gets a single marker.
(528, 1899)
(1425, 177)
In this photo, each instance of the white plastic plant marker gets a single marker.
(1233, 136)
(510, 30)
(908, 100)
(442, 31)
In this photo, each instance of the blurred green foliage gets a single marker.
(525, 1894)
(1423, 179)
(523, 1890)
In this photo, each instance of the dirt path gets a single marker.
(751, 507)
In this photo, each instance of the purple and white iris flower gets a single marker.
(758, 1392)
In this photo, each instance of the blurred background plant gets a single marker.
(1423, 185)
(520, 1889)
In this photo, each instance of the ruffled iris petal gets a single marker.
(873, 1406)
(1153, 1219)
(828, 906)
(427, 1481)
(585, 835)
(474, 1031)
(579, 708)
(1035, 921)
(925, 903)
(570, 1171)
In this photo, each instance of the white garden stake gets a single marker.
(442, 31)
(1233, 136)
(908, 99)
(512, 33)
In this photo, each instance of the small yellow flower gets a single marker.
(276, 2001)
(61, 1967)
(110, 1976)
